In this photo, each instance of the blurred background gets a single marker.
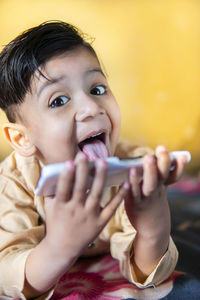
(151, 53)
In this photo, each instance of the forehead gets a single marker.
(80, 61)
(79, 58)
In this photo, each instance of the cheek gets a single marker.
(56, 147)
(57, 136)
(53, 140)
(115, 118)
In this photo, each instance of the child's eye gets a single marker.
(59, 101)
(98, 90)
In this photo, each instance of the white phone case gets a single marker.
(117, 172)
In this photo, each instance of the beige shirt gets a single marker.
(22, 226)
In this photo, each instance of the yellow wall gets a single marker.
(151, 50)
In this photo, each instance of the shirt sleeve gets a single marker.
(122, 236)
(20, 231)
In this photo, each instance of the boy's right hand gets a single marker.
(74, 217)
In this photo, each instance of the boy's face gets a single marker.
(72, 110)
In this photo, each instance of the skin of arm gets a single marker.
(148, 211)
(74, 218)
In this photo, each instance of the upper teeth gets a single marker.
(96, 135)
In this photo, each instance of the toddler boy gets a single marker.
(60, 108)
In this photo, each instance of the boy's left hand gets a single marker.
(147, 207)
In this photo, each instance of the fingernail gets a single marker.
(149, 159)
(81, 156)
(101, 163)
(161, 148)
(69, 164)
(126, 185)
(185, 158)
(133, 172)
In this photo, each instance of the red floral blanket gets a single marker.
(100, 279)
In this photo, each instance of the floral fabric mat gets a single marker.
(100, 279)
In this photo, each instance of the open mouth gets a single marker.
(94, 146)
(93, 138)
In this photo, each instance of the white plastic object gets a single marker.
(117, 172)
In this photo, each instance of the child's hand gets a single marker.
(147, 208)
(74, 217)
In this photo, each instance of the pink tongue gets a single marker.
(94, 150)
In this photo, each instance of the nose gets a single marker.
(88, 108)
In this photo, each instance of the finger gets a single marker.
(150, 175)
(65, 182)
(163, 162)
(98, 183)
(108, 211)
(81, 177)
(178, 170)
(134, 179)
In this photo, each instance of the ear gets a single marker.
(16, 135)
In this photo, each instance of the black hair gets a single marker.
(22, 57)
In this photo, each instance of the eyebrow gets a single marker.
(49, 82)
(98, 70)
